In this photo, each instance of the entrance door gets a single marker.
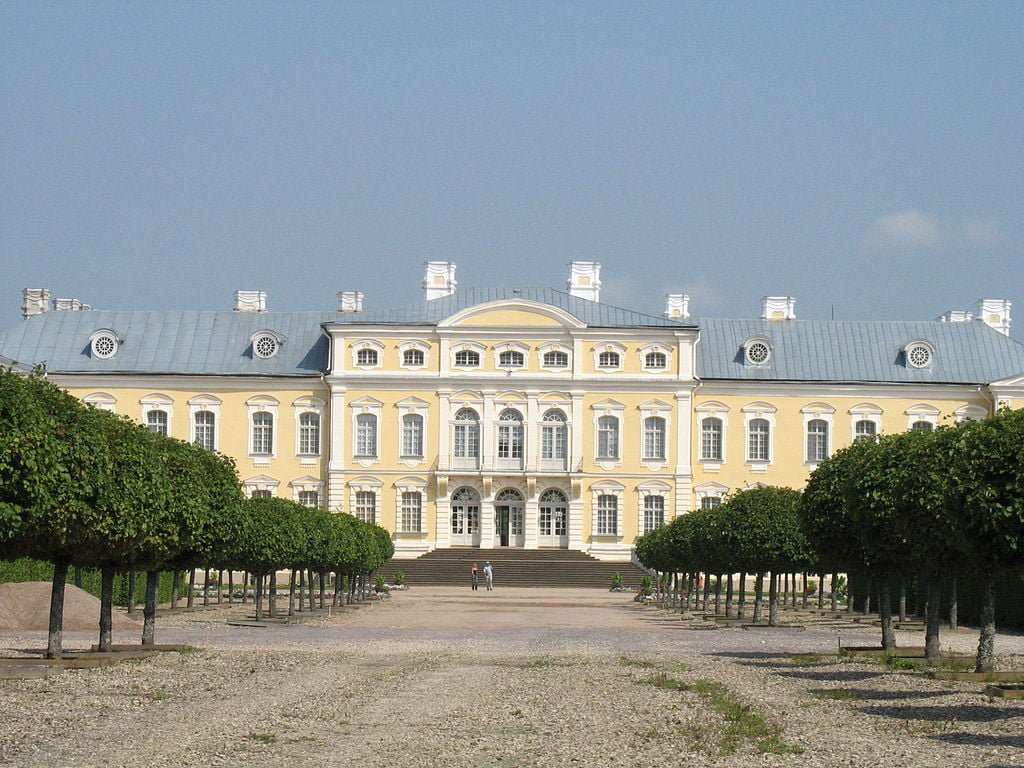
(465, 522)
(502, 513)
(553, 525)
(508, 518)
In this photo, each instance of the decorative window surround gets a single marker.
(655, 409)
(757, 351)
(104, 343)
(865, 412)
(263, 404)
(466, 346)
(367, 345)
(266, 343)
(205, 404)
(715, 491)
(712, 410)
(406, 350)
(648, 490)
(608, 356)
(303, 406)
(307, 484)
(412, 406)
(751, 412)
(101, 400)
(922, 412)
(609, 408)
(366, 406)
(919, 354)
(655, 353)
(551, 357)
(970, 413)
(260, 483)
(615, 490)
(506, 359)
(364, 485)
(158, 402)
(817, 412)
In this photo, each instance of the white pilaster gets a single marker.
(531, 433)
(444, 432)
(487, 436)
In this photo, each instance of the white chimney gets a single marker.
(439, 280)
(350, 302)
(68, 305)
(995, 313)
(778, 308)
(585, 280)
(250, 301)
(955, 316)
(677, 306)
(34, 301)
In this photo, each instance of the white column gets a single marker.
(487, 528)
(531, 513)
(683, 502)
(444, 428)
(576, 443)
(531, 433)
(336, 461)
(487, 436)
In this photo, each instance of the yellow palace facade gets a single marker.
(522, 417)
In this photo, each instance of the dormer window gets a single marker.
(608, 360)
(655, 361)
(556, 359)
(467, 358)
(367, 354)
(918, 354)
(103, 344)
(757, 352)
(265, 344)
(366, 357)
(511, 359)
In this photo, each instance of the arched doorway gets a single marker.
(465, 529)
(553, 525)
(508, 518)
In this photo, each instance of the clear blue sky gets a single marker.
(865, 157)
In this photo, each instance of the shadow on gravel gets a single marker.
(866, 694)
(971, 714)
(748, 654)
(981, 740)
(838, 675)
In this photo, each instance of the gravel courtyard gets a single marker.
(446, 677)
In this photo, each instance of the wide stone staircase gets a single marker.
(512, 568)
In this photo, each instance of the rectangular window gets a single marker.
(412, 435)
(757, 440)
(710, 502)
(412, 511)
(309, 498)
(309, 434)
(366, 435)
(817, 441)
(467, 441)
(156, 421)
(510, 441)
(553, 442)
(366, 506)
(262, 433)
(711, 439)
(204, 429)
(608, 437)
(654, 438)
(261, 495)
(607, 515)
(654, 512)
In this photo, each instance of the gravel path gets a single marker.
(445, 677)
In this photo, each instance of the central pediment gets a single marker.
(511, 313)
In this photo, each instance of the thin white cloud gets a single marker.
(982, 232)
(909, 230)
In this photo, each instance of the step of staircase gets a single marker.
(512, 568)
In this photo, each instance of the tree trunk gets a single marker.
(835, 594)
(707, 593)
(334, 592)
(849, 593)
(231, 587)
(55, 641)
(309, 587)
(932, 648)
(953, 621)
(718, 594)
(245, 587)
(867, 597)
(803, 597)
(729, 607)
(257, 598)
(323, 590)
(149, 612)
(302, 590)
(986, 641)
(220, 585)
(175, 587)
(131, 591)
(206, 588)
(903, 599)
(106, 606)
(758, 597)
(190, 601)
(785, 589)
(78, 578)
(291, 593)
(773, 600)
(821, 592)
(742, 608)
(885, 613)
(273, 594)
(792, 585)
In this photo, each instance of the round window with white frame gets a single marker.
(104, 345)
(919, 355)
(265, 346)
(757, 352)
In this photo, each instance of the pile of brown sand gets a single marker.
(26, 606)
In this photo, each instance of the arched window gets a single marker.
(817, 440)
(467, 434)
(922, 426)
(366, 506)
(608, 437)
(510, 434)
(156, 422)
(556, 359)
(654, 437)
(758, 440)
(366, 434)
(511, 359)
(413, 357)
(412, 435)
(711, 439)
(654, 512)
(608, 359)
(865, 429)
(554, 513)
(309, 434)
(366, 356)
(204, 429)
(467, 358)
(262, 433)
(554, 436)
(655, 360)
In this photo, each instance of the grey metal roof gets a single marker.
(858, 351)
(183, 342)
(591, 313)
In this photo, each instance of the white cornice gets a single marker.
(501, 380)
(817, 390)
(193, 383)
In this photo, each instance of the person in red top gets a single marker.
(475, 576)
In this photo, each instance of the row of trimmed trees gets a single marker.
(916, 505)
(83, 487)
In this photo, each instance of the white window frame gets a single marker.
(466, 462)
(467, 346)
(750, 343)
(267, 404)
(608, 347)
(547, 349)
(908, 349)
(307, 484)
(414, 448)
(277, 338)
(651, 490)
(402, 487)
(922, 412)
(751, 412)
(205, 404)
(301, 407)
(717, 410)
(606, 489)
(101, 400)
(718, 438)
(818, 412)
(554, 428)
(365, 485)
(367, 436)
(261, 483)
(361, 345)
(970, 413)
(511, 461)
(605, 453)
(507, 347)
(660, 410)
(412, 406)
(157, 401)
(414, 346)
(649, 349)
(864, 412)
(710, 491)
(360, 407)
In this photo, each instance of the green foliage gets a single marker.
(616, 580)
(764, 530)
(379, 584)
(646, 585)
(399, 577)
